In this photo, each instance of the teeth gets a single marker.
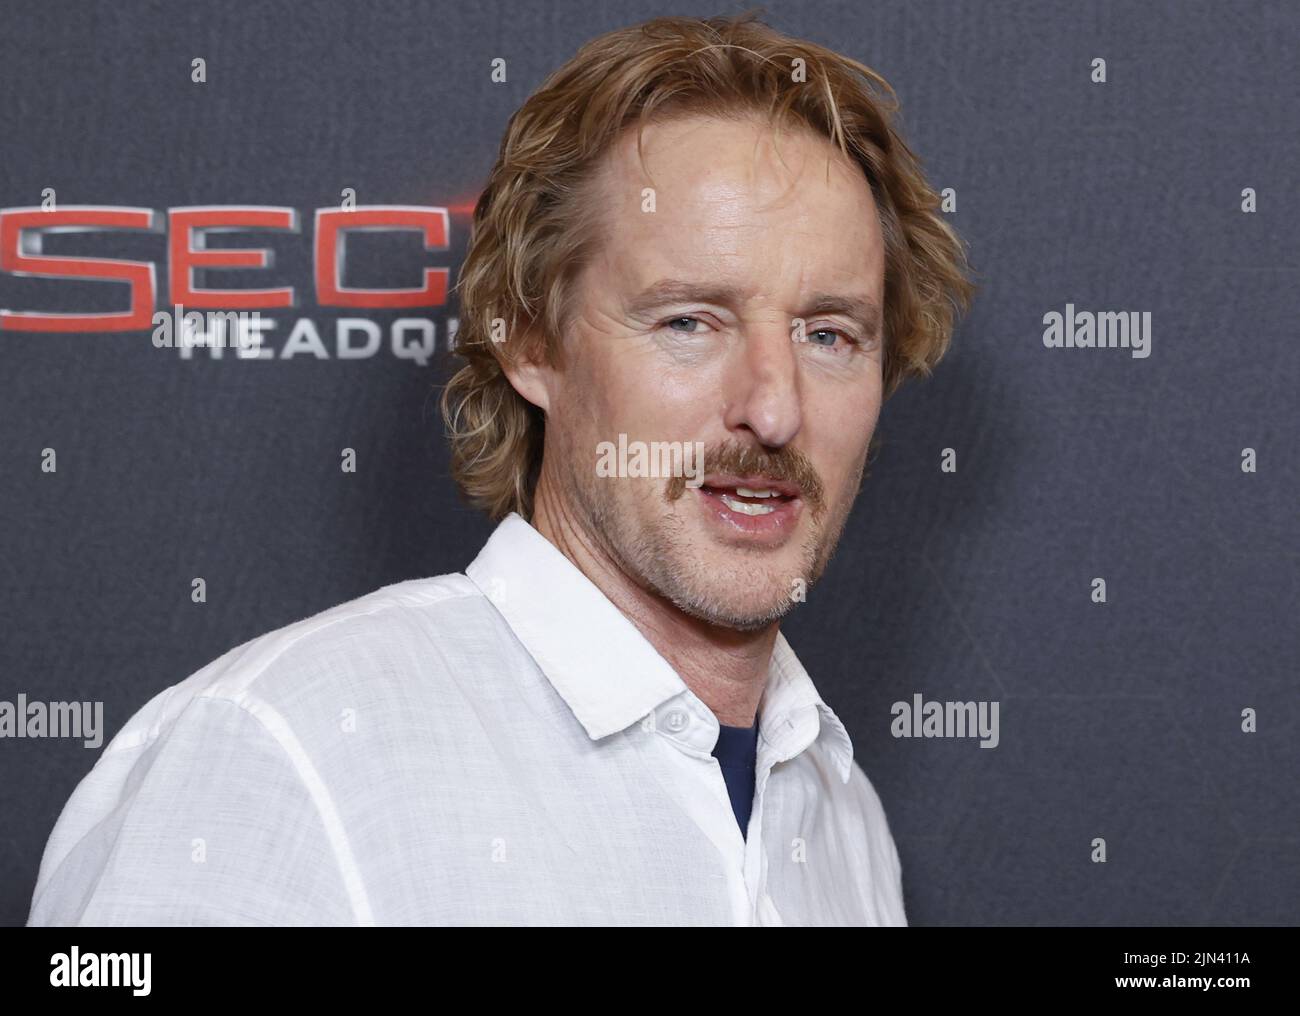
(746, 492)
(744, 507)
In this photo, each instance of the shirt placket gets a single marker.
(764, 909)
(690, 729)
(780, 740)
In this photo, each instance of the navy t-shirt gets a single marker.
(737, 754)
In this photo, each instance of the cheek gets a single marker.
(660, 404)
(606, 396)
(842, 436)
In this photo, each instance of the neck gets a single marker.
(726, 669)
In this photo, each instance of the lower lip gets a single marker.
(771, 528)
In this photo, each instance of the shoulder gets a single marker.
(242, 762)
(886, 887)
(334, 648)
(863, 793)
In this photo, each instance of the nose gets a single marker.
(762, 385)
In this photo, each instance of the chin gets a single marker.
(743, 588)
(735, 589)
(739, 615)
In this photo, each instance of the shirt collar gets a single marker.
(577, 636)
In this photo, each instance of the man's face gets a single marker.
(736, 304)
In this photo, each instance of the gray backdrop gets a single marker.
(1120, 721)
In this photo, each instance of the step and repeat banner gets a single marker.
(1083, 525)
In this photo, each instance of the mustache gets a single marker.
(788, 464)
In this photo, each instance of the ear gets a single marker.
(535, 381)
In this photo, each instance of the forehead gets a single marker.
(737, 197)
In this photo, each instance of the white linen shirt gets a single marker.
(501, 746)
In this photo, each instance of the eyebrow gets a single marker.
(860, 308)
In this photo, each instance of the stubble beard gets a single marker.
(657, 555)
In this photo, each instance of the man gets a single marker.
(697, 234)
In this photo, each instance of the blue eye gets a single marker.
(673, 321)
(849, 340)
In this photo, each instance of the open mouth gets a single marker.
(755, 509)
(749, 500)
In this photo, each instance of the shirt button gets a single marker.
(676, 721)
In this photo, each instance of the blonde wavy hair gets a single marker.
(533, 230)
